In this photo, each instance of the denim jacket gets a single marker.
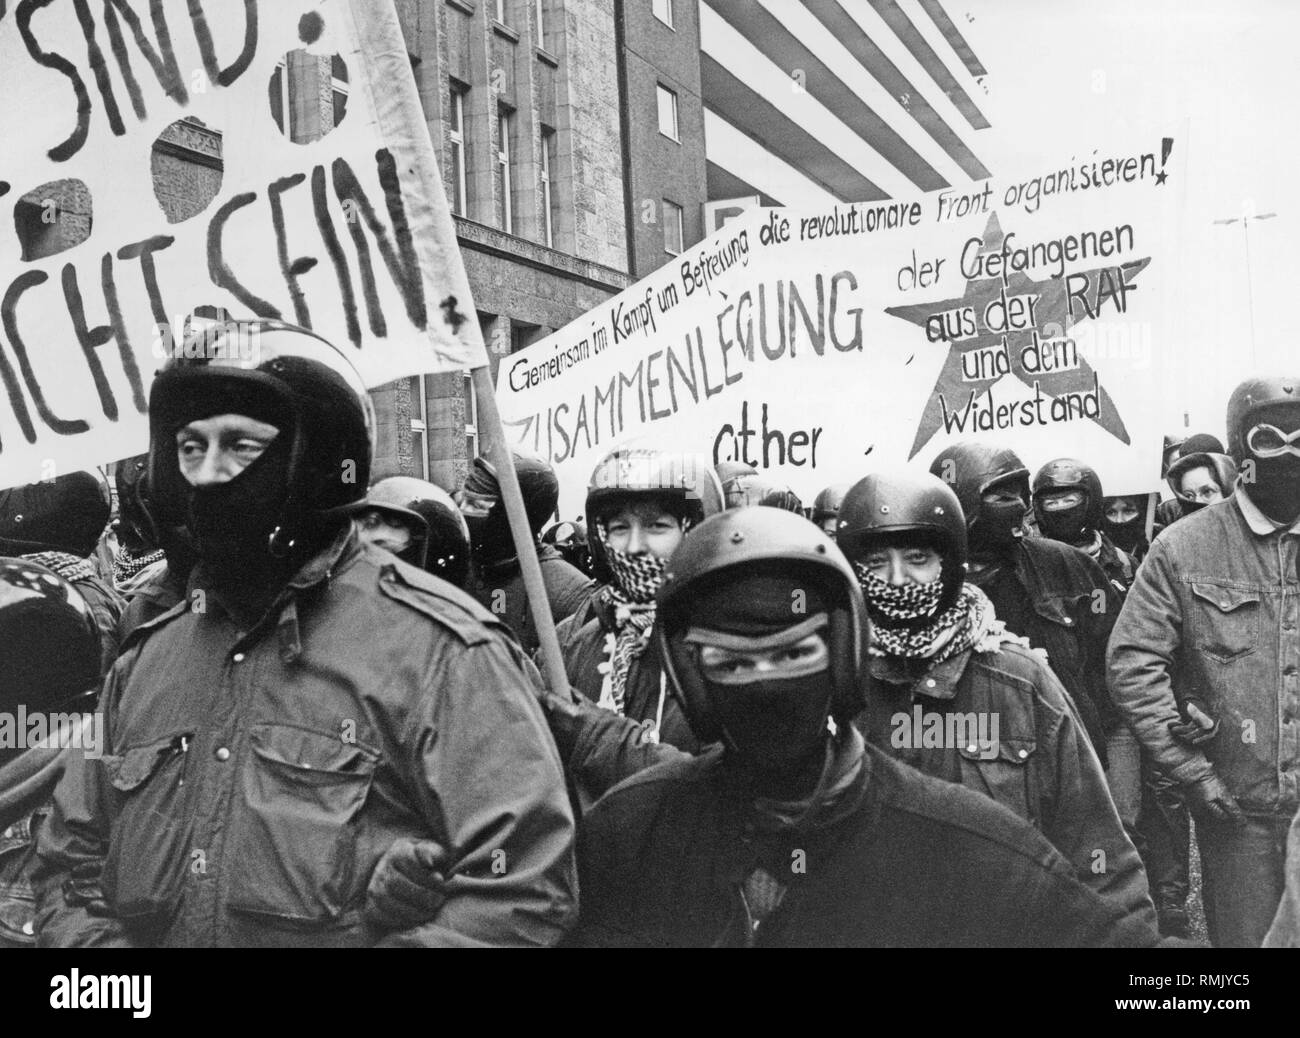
(1212, 616)
(1039, 763)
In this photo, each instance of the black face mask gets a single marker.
(776, 725)
(231, 523)
(1126, 536)
(996, 529)
(1275, 487)
(1069, 525)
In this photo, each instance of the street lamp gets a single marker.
(1250, 289)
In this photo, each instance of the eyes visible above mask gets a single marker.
(722, 666)
(1268, 441)
(1060, 501)
(1121, 512)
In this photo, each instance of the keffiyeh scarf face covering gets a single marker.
(953, 631)
(632, 596)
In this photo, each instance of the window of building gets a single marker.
(668, 113)
(539, 13)
(471, 418)
(501, 12)
(548, 199)
(673, 236)
(663, 10)
(339, 87)
(505, 123)
(419, 427)
(456, 121)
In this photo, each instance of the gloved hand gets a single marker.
(406, 888)
(1210, 800)
(82, 890)
(1199, 727)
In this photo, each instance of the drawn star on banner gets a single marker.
(1050, 312)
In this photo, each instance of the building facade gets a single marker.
(585, 143)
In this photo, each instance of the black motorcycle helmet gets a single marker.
(886, 504)
(275, 372)
(569, 538)
(441, 541)
(744, 537)
(1068, 525)
(132, 522)
(479, 499)
(686, 483)
(827, 504)
(66, 514)
(49, 644)
(1248, 399)
(754, 489)
(971, 470)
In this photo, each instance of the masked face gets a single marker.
(1271, 468)
(771, 694)
(1062, 514)
(1002, 509)
(1124, 522)
(238, 471)
(387, 531)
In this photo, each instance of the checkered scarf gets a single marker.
(966, 622)
(126, 565)
(70, 567)
(909, 602)
(632, 598)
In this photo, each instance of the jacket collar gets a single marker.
(340, 553)
(936, 682)
(1260, 524)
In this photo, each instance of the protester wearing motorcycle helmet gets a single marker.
(569, 538)
(1210, 621)
(420, 524)
(498, 582)
(303, 663)
(1069, 505)
(641, 502)
(942, 659)
(57, 524)
(1048, 592)
(753, 488)
(790, 831)
(49, 670)
(826, 508)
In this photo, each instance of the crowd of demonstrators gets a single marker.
(883, 720)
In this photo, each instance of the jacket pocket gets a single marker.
(150, 833)
(1005, 775)
(1225, 621)
(295, 834)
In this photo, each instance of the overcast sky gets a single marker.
(1223, 80)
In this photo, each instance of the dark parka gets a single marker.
(911, 862)
(253, 779)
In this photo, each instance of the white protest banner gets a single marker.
(348, 234)
(1038, 312)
